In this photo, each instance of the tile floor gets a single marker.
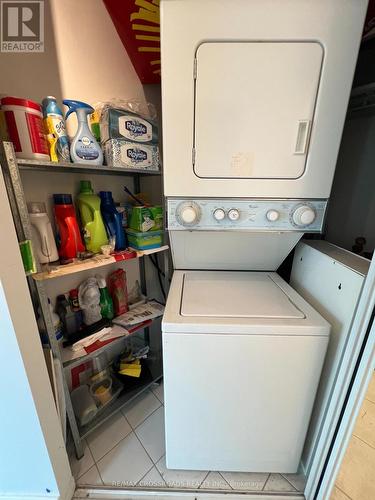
(355, 480)
(128, 450)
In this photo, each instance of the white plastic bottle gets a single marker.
(44, 244)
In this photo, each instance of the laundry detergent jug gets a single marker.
(43, 240)
(69, 233)
(112, 220)
(92, 222)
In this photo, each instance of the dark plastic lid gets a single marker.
(106, 196)
(62, 199)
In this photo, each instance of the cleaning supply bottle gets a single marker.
(54, 124)
(112, 220)
(42, 235)
(93, 226)
(69, 233)
(106, 303)
(57, 325)
(84, 148)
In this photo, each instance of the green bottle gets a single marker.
(106, 303)
(94, 232)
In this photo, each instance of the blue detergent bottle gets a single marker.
(112, 220)
(84, 148)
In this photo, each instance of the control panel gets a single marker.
(246, 214)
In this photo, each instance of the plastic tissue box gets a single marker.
(120, 153)
(144, 241)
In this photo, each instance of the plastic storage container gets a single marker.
(102, 390)
(24, 121)
(66, 221)
(145, 241)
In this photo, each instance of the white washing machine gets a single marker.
(254, 96)
(243, 354)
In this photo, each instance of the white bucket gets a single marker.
(24, 121)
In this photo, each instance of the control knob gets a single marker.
(272, 215)
(303, 215)
(188, 213)
(233, 214)
(219, 214)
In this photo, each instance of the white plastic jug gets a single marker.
(44, 244)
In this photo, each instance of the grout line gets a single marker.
(292, 485)
(113, 447)
(225, 480)
(77, 480)
(203, 480)
(362, 441)
(91, 455)
(153, 465)
(99, 474)
(143, 421)
(343, 492)
(266, 481)
(159, 384)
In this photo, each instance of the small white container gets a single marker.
(84, 405)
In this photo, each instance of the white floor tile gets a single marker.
(276, 482)
(250, 481)
(151, 434)
(297, 480)
(91, 478)
(80, 467)
(214, 481)
(141, 408)
(110, 433)
(125, 464)
(152, 479)
(158, 390)
(180, 478)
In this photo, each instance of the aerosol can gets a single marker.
(83, 148)
(54, 124)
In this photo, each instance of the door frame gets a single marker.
(350, 387)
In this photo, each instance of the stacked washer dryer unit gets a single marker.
(254, 98)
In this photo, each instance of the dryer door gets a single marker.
(254, 108)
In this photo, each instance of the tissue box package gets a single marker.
(122, 124)
(120, 153)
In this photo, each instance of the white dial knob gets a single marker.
(219, 214)
(303, 215)
(233, 214)
(188, 213)
(272, 215)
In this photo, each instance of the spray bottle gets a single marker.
(84, 148)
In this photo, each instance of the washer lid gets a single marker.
(236, 295)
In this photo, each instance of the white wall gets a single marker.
(33, 459)
(93, 63)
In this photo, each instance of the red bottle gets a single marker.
(69, 233)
